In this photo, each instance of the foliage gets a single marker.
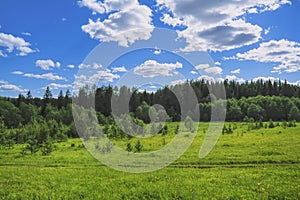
(189, 124)
(47, 147)
(138, 146)
(129, 147)
(271, 124)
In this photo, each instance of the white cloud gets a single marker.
(127, 21)
(58, 86)
(47, 76)
(119, 69)
(93, 5)
(57, 64)
(237, 71)
(17, 73)
(178, 82)
(10, 87)
(219, 25)
(266, 31)
(214, 70)
(296, 83)
(234, 78)
(209, 69)
(100, 76)
(12, 43)
(172, 21)
(264, 79)
(218, 63)
(194, 72)
(3, 54)
(71, 66)
(26, 34)
(88, 66)
(151, 69)
(47, 64)
(284, 52)
(209, 78)
(6, 86)
(252, 10)
(202, 66)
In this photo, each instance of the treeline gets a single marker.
(259, 100)
(38, 122)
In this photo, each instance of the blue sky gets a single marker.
(45, 43)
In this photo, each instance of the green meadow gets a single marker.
(261, 163)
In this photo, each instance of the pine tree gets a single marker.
(60, 100)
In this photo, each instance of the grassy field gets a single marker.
(256, 164)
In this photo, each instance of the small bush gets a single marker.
(271, 124)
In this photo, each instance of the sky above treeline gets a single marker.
(44, 43)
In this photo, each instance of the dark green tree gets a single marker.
(255, 111)
(129, 147)
(138, 146)
(294, 114)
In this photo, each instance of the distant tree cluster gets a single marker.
(36, 122)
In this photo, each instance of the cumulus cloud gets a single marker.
(264, 79)
(105, 76)
(127, 21)
(284, 52)
(209, 69)
(229, 36)
(214, 70)
(266, 31)
(90, 66)
(6, 86)
(178, 82)
(237, 71)
(102, 76)
(57, 64)
(202, 66)
(119, 69)
(55, 86)
(218, 25)
(217, 63)
(172, 21)
(12, 43)
(47, 64)
(47, 76)
(209, 78)
(93, 5)
(234, 78)
(17, 73)
(151, 69)
(296, 83)
(71, 66)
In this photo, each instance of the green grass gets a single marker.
(259, 164)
